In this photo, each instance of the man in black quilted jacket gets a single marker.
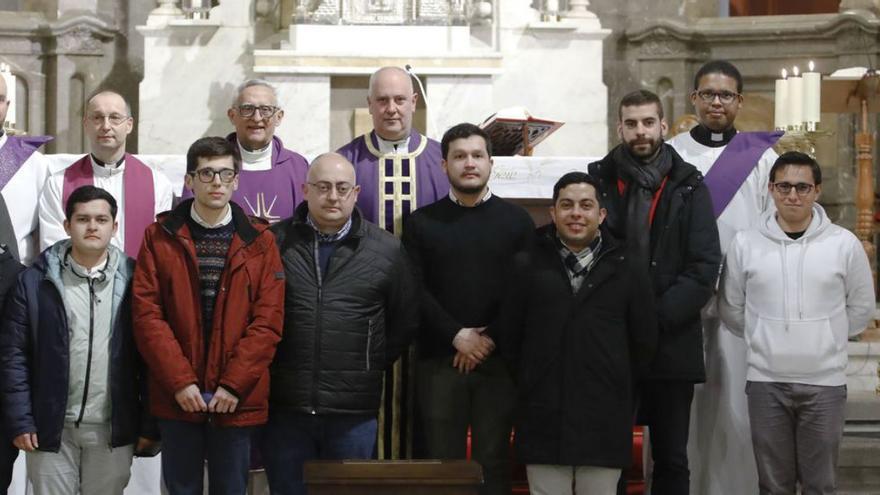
(350, 308)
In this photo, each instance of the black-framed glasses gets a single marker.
(206, 175)
(343, 189)
(726, 97)
(801, 188)
(114, 118)
(248, 110)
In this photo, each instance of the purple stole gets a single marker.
(735, 164)
(15, 152)
(394, 185)
(140, 198)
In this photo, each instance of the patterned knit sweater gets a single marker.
(212, 246)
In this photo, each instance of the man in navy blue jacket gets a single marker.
(9, 270)
(69, 369)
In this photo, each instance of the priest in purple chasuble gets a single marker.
(140, 191)
(398, 170)
(736, 168)
(23, 171)
(271, 180)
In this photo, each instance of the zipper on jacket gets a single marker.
(93, 300)
(317, 344)
(369, 337)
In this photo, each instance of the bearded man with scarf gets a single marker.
(658, 203)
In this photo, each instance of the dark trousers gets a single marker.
(185, 448)
(8, 454)
(483, 399)
(665, 408)
(291, 439)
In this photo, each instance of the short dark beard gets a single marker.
(469, 190)
(650, 156)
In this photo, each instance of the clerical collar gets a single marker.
(257, 159)
(393, 147)
(710, 138)
(482, 200)
(224, 220)
(106, 165)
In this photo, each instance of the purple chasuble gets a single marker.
(138, 190)
(15, 152)
(271, 194)
(394, 185)
(734, 165)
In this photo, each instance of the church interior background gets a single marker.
(179, 62)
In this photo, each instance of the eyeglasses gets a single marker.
(247, 110)
(115, 118)
(343, 189)
(726, 97)
(206, 175)
(784, 188)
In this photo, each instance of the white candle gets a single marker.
(552, 6)
(795, 99)
(780, 116)
(812, 94)
(10, 93)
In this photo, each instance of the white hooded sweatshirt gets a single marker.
(796, 301)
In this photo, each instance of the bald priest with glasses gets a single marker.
(140, 191)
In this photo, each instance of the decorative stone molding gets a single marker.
(856, 38)
(79, 36)
(860, 5)
(665, 39)
(737, 30)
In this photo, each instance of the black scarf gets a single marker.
(642, 181)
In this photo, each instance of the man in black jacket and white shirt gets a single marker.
(658, 203)
(578, 329)
(350, 308)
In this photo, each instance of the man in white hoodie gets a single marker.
(796, 288)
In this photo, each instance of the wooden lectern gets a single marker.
(422, 477)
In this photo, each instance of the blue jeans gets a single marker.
(292, 439)
(185, 448)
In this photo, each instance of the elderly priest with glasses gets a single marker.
(272, 176)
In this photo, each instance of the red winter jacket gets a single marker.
(247, 324)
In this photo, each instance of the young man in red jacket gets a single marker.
(208, 299)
